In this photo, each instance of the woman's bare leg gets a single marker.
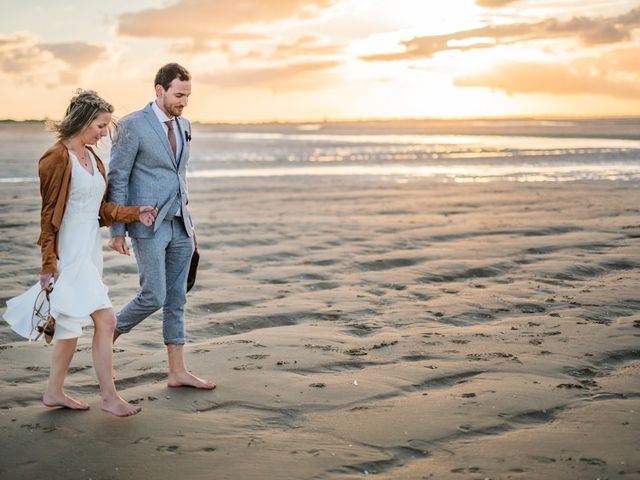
(63, 351)
(104, 321)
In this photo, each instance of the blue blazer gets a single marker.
(143, 171)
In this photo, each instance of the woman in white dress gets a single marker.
(73, 190)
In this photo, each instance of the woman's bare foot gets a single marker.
(119, 407)
(188, 379)
(63, 400)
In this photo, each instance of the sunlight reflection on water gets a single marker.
(467, 173)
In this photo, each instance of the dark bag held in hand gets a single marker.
(193, 269)
(193, 266)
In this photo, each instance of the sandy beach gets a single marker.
(358, 326)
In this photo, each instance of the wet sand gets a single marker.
(359, 326)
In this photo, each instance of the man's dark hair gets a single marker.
(169, 72)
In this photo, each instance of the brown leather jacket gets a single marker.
(54, 169)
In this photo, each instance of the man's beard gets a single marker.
(173, 110)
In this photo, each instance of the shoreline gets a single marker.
(616, 127)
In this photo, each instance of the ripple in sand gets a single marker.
(201, 405)
(398, 457)
(488, 356)
(272, 257)
(390, 263)
(530, 308)
(494, 270)
(606, 314)
(323, 263)
(136, 380)
(323, 286)
(219, 307)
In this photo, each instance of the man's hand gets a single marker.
(147, 215)
(119, 244)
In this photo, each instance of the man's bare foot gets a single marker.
(119, 407)
(63, 400)
(188, 379)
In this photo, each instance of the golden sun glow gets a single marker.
(317, 59)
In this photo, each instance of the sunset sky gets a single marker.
(261, 60)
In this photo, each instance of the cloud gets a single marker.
(264, 51)
(20, 55)
(193, 46)
(301, 49)
(494, 3)
(24, 59)
(622, 60)
(202, 20)
(305, 45)
(590, 32)
(582, 77)
(297, 76)
(76, 54)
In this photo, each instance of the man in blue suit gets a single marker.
(148, 161)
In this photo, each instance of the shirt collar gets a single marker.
(162, 117)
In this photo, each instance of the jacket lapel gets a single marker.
(155, 124)
(181, 131)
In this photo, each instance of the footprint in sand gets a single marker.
(168, 448)
(204, 405)
(141, 440)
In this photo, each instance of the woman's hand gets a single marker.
(46, 280)
(148, 215)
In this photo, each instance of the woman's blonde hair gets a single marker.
(83, 109)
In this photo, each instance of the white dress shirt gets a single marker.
(162, 117)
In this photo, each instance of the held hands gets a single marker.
(119, 244)
(148, 215)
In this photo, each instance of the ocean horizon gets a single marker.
(516, 149)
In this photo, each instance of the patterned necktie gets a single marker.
(171, 135)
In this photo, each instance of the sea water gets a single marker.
(462, 151)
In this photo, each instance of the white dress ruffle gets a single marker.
(79, 290)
